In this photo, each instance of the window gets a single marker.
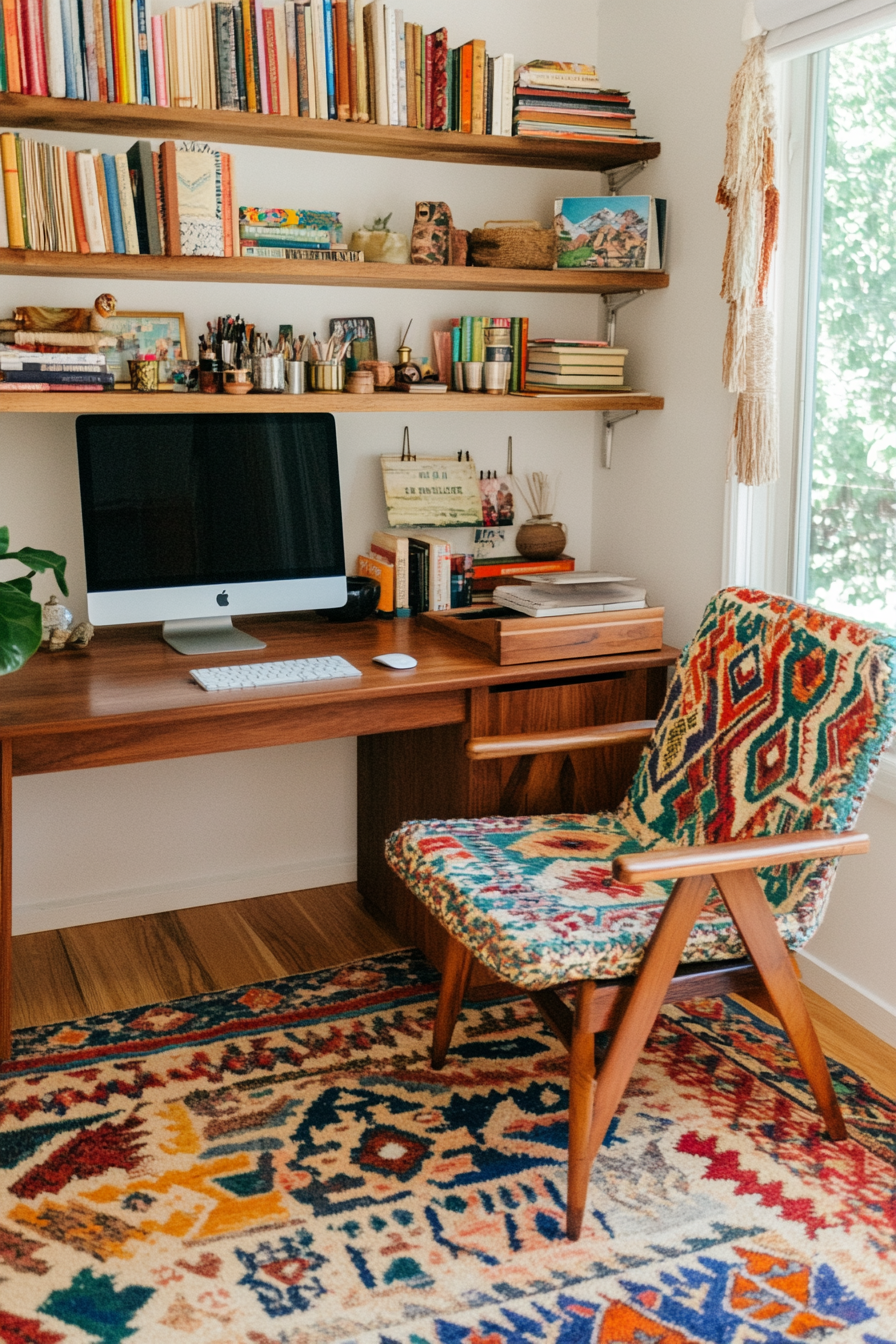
(850, 548)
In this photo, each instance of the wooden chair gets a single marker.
(769, 737)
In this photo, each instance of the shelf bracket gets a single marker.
(612, 303)
(611, 420)
(617, 178)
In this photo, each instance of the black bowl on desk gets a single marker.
(363, 595)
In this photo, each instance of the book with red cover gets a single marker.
(427, 82)
(34, 47)
(341, 58)
(271, 72)
(439, 80)
(77, 207)
(501, 566)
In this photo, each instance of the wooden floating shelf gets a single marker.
(328, 137)
(356, 274)
(183, 403)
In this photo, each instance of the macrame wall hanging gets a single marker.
(748, 192)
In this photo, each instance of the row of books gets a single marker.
(413, 570)
(575, 366)
(345, 60)
(40, 371)
(471, 343)
(177, 201)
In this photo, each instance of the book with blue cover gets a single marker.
(610, 233)
(115, 221)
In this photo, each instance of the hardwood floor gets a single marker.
(98, 968)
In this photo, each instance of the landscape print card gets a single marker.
(609, 232)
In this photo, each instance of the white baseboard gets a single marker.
(884, 785)
(96, 909)
(860, 1004)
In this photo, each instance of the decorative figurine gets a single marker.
(56, 617)
(78, 638)
(431, 234)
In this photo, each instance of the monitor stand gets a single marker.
(209, 634)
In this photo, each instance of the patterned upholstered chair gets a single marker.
(769, 737)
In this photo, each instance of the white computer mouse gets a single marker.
(399, 661)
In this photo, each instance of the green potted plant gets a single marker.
(20, 616)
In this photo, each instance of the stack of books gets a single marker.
(493, 571)
(573, 595)
(565, 102)
(336, 60)
(38, 371)
(295, 234)
(575, 366)
(175, 202)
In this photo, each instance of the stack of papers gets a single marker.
(571, 595)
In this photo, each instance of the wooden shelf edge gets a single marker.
(176, 403)
(329, 137)
(356, 274)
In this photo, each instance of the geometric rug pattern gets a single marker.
(278, 1164)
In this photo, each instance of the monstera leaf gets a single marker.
(20, 615)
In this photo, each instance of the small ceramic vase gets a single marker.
(540, 538)
(55, 616)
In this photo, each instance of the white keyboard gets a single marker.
(248, 675)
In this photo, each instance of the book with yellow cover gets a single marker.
(371, 567)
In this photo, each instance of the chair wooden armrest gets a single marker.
(762, 851)
(567, 739)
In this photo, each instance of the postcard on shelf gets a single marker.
(610, 233)
(162, 335)
(431, 492)
(488, 541)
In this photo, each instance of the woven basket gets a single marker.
(518, 244)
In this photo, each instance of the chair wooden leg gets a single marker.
(756, 925)
(582, 1076)
(455, 979)
(660, 962)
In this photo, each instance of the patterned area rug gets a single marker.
(279, 1165)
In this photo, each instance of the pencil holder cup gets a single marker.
(211, 375)
(473, 375)
(268, 373)
(296, 375)
(144, 375)
(495, 378)
(328, 375)
(237, 381)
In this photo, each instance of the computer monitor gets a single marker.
(189, 519)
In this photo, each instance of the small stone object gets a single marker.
(56, 616)
(81, 636)
(78, 638)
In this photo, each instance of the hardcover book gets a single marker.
(610, 233)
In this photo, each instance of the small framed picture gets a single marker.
(161, 334)
(362, 333)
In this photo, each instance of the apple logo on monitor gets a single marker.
(223, 600)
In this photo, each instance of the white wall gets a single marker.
(93, 845)
(660, 511)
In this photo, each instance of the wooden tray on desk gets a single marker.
(509, 637)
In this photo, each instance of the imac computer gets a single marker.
(191, 519)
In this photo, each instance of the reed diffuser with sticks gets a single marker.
(540, 537)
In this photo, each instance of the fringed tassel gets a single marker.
(753, 449)
(748, 193)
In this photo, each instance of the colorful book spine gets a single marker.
(11, 190)
(302, 59)
(270, 62)
(330, 60)
(292, 62)
(341, 59)
(77, 208)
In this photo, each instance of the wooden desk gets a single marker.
(129, 698)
